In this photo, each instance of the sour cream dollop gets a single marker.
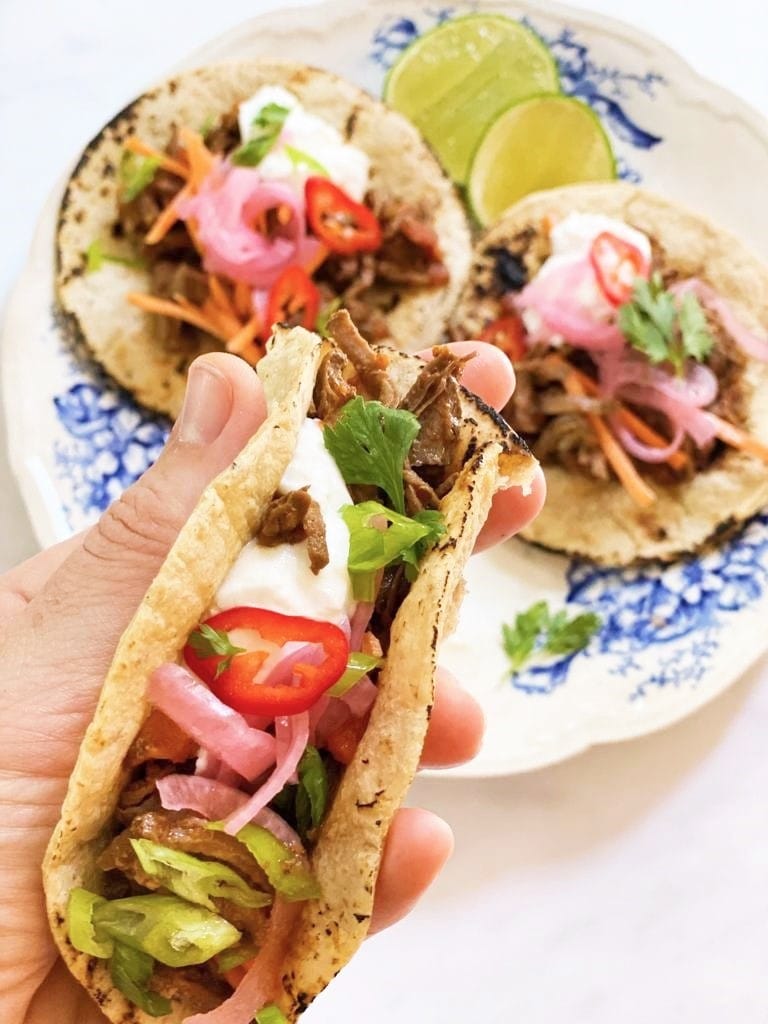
(347, 166)
(279, 578)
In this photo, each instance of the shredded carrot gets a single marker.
(134, 145)
(165, 307)
(618, 459)
(243, 341)
(317, 260)
(167, 218)
(738, 438)
(199, 156)
(242, 299)
(221, 297)
(641, 430)
(229, 324)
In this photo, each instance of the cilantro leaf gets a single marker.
(662, 328)
(264, 133)
(647, 322)
(136, 173)
(537, 630)
(519, 640)
(131, 973)
(567, 637)
(298, 158)
(312, 794)
(95, 258)
(270, 1014)
(369, 443)
(208, 642)
(696, 336)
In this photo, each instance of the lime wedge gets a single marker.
(540, 143)
(455, 80)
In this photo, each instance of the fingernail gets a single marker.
(207, 405)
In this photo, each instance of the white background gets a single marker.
(627, 885)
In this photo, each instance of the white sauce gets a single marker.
(348, 166)
(279, 578)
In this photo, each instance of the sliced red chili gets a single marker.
(294, 300)
(337, 220)
(617, 264)
(508, 334)
(235, 685)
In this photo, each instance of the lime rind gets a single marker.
(471, 189)
(442, 117)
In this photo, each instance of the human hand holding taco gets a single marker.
(63, 614)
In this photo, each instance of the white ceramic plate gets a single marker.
(672, 637)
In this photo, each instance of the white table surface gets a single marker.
(629, 884)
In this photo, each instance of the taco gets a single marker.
(638, 335)
(239, 195)
(265, 711)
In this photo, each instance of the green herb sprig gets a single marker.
(264, 133)
(537, 631)
(208, 642)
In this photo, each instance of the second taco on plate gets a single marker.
(639, 336)
(235, 196)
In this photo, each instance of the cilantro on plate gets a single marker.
(537, 631)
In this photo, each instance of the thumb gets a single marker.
(87, 603)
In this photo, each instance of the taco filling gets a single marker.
(626, 367)
(265, 216)
(227, 784)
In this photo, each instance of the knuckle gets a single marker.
(143, 521)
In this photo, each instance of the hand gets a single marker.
(61, 616)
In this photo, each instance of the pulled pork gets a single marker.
(291, 518)
(370, 367)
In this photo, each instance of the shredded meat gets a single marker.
(410, 251)
(200, 989)
(140, 795)
(294, 517)
(225, 135)
(418, 493)
(569, 440)
(138, 216)
(392, 592)
(434, 399)
(370, 367)
(160, 739)
(171, 278)
(332, 389)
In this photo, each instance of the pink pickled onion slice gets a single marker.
(207, 764)
(744, 338)
(201, 715)
(646, 452)
(554, 296)
(296, 731)
(360, 698)
(698, 387)
(280, 829)
(225, 209)
(259, 302)
(261, 985)
(277, 669)
(334, 716)
(693, 420)
(213, 799)
(359, 624)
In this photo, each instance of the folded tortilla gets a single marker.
(597, 518)
(348, 852)
(128, 342)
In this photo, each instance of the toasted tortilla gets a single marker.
(127, 341)
(597, 519)
(348, 852)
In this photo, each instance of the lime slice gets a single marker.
(540, 143)
(454, 81)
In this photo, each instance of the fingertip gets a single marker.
(456, 726)
(418, 845)
(511, 512)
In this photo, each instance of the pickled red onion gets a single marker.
(744, 338)
(292, 735)
(209, 797)
(692, 419)
(554, 296)
(646, 452)
(360, 698)
(359, 623)
(698, 387)
(224, 211)
(200, 714)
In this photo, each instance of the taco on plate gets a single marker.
(265, 711)
(638, 335)
(239, 195)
